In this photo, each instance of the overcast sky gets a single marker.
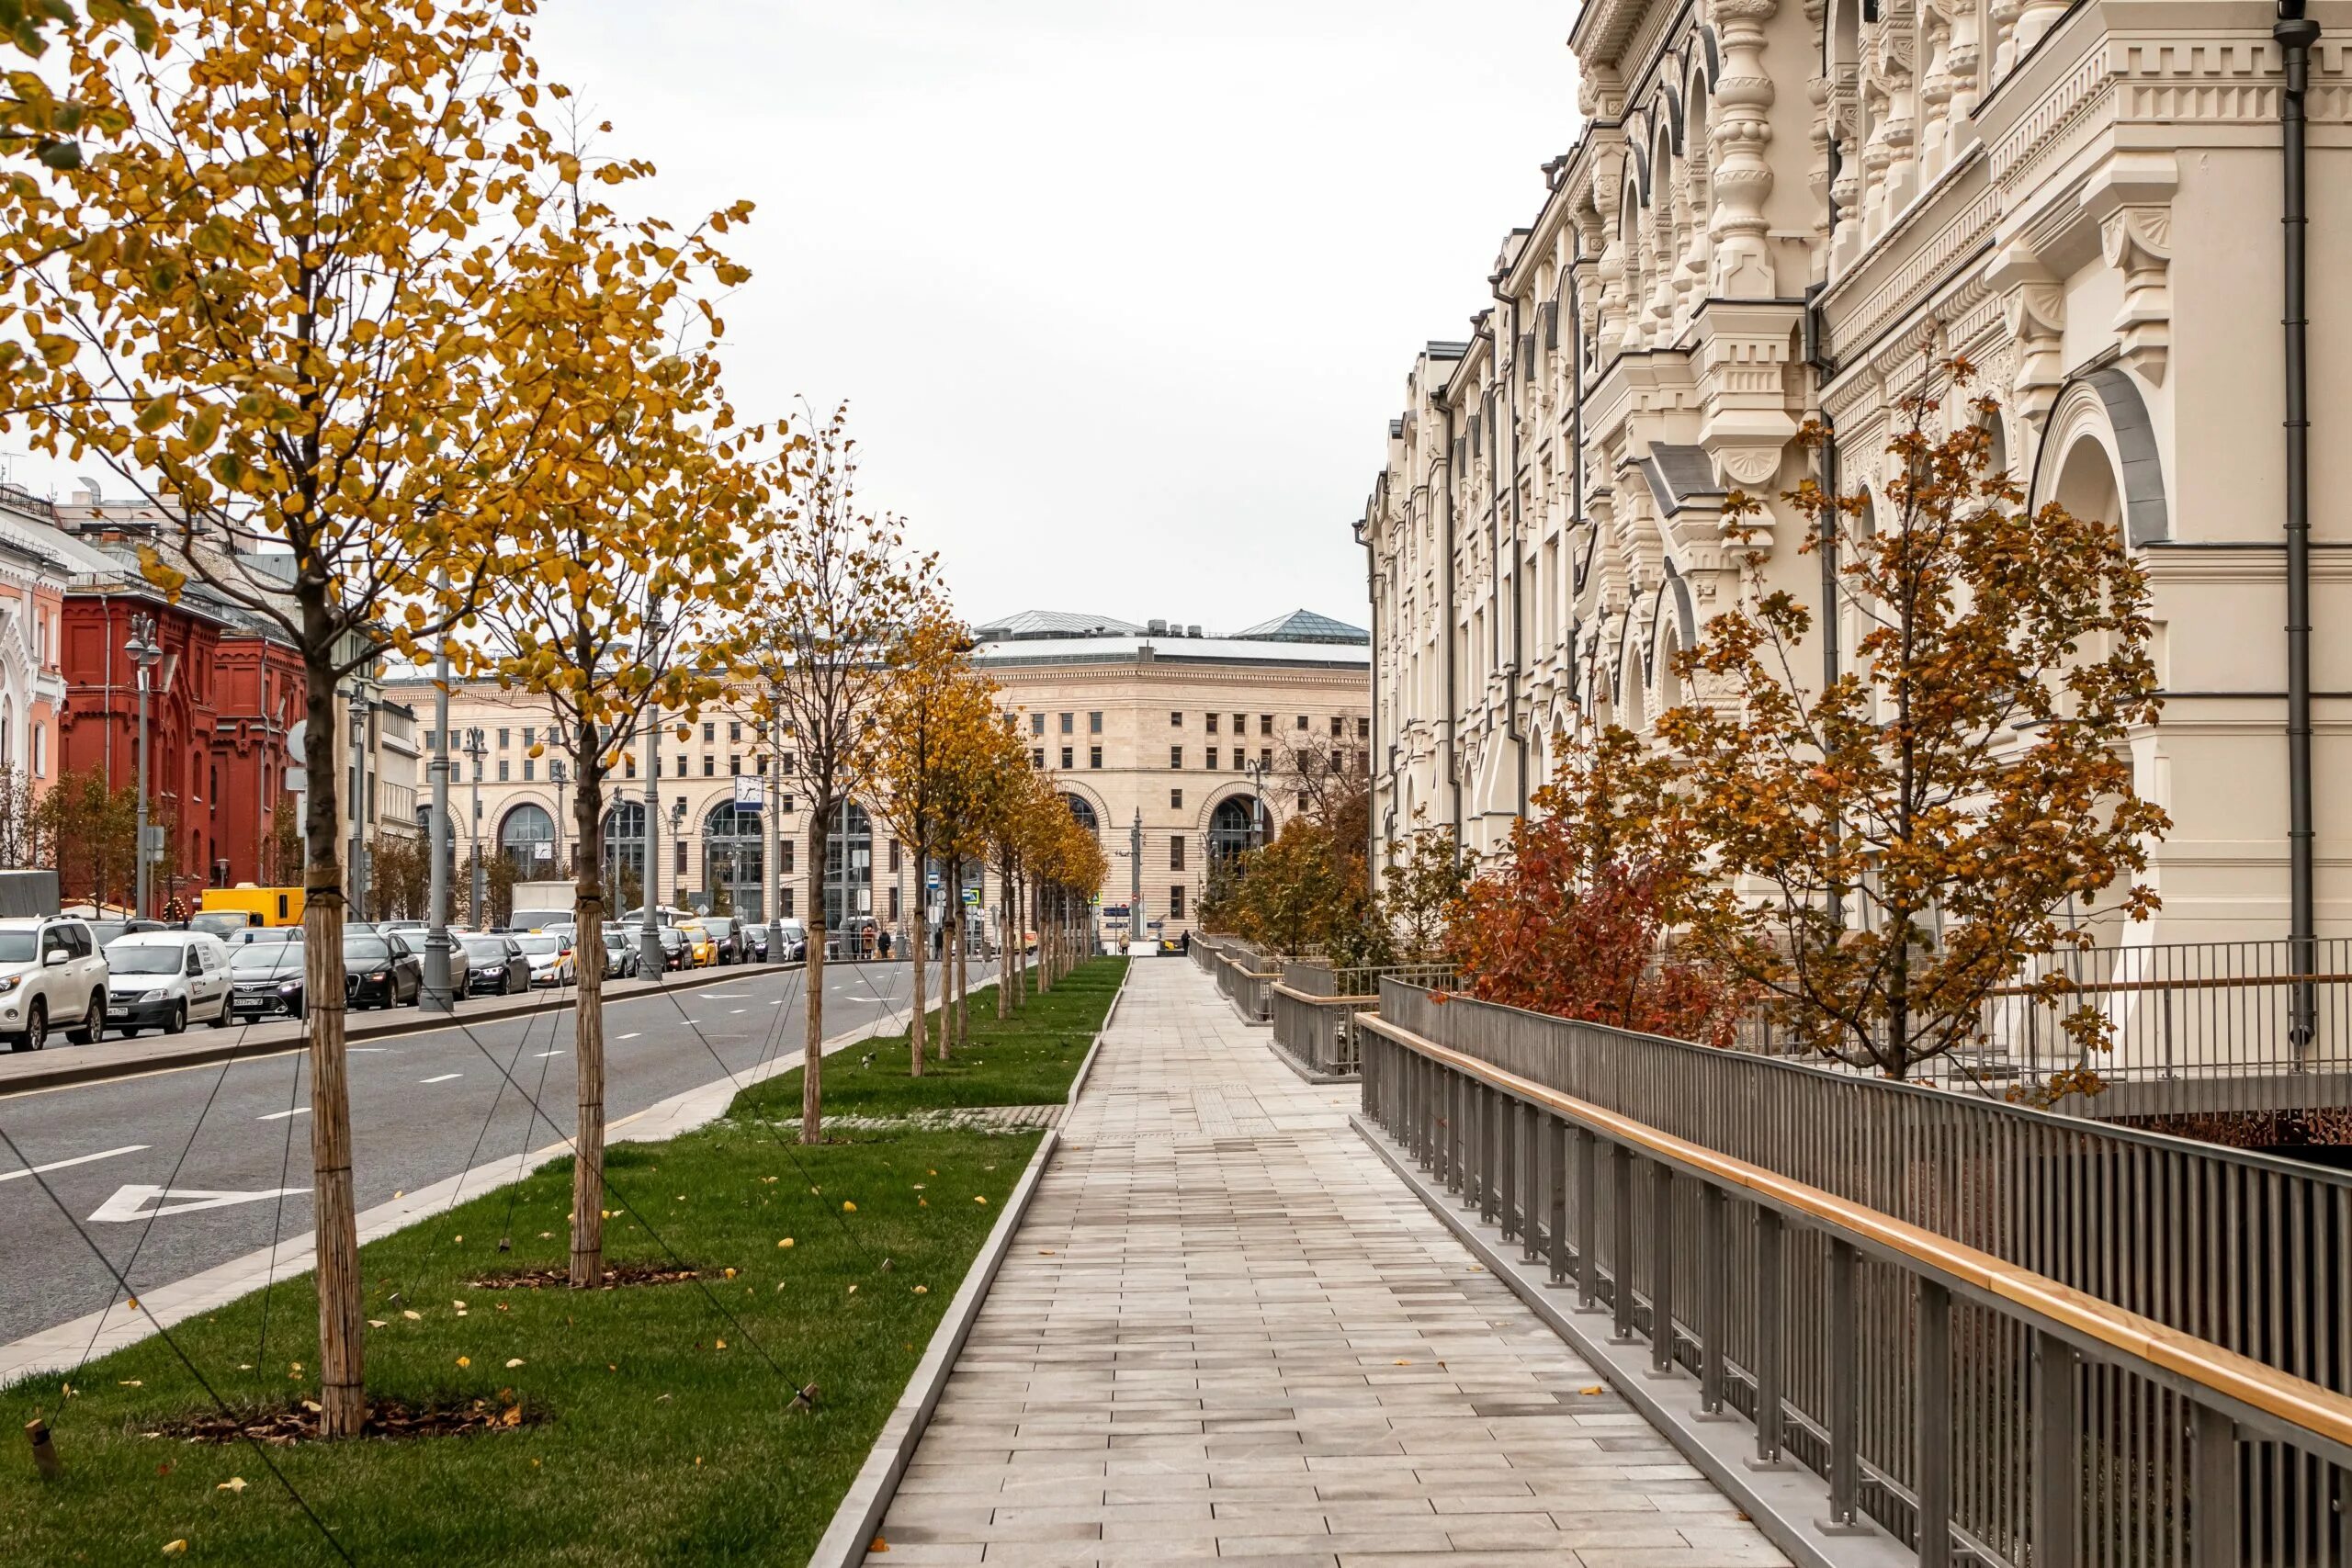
(1123, 295)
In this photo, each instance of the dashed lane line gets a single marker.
(77, 1159)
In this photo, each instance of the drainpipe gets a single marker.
(2295, 34)
(1452, 681)
(1824, 367)
(1514, 722)
(1372, 825)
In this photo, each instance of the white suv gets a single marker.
(50, 973)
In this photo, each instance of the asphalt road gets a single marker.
(423, 1107)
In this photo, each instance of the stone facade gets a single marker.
(1784, 210)
(1130, 718)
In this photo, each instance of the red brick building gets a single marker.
(221, 701)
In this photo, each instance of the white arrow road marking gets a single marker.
(77, 1159)
(282, 1115)
(445, 1078)
(130, 1203)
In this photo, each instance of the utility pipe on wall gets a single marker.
(2295, 34)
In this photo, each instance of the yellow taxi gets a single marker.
(702, 948)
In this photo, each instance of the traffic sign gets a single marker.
(297, 780)
(297, 734)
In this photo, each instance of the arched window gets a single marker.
(1234, 827)
(527, 838)
(732, 860)
(848, 866)
(1081, 813)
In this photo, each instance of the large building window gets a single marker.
(1233, 827)
(848, 866)
(732, 861)
(1094, 756)
(526, 837)
(1176, 901)
(1176, 851)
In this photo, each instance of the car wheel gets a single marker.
(177, 1023)
(37, 1025)
(220, 1019)
(93, 1027)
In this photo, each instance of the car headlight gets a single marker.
(10, 983)
(378, 974)
(288, 989)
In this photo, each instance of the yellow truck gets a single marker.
(260, 906)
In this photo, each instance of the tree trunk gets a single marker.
(343, 1395)
(1004, 942)
(812, 1057)
(588, 1033)
(917, 1033)
(951, 937)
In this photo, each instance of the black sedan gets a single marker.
(380, 972)
(265, 980)
(677, 953)
(728, 932)
(494, 965)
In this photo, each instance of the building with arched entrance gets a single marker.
(1780, 216)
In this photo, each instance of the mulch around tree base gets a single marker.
(387, 1418)
(560, 1278)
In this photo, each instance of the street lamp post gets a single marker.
(1257, 771)
(145, 653)
(357, 902)
(1135, 881)
(477, 747)
(774, 825)
(441, 844)
(650, 955)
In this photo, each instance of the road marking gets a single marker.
(371, 1050)
(445, 1078)
(77, 1159)
(731, 1012)
(633, 1035)
(130, 1203)
(720, 995)
(282, 1115)
(551, 1053)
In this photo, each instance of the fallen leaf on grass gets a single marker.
(922, 1290)
(312, 1406)
(722, 1344)
(515, 1363)
(378, 1322)
(727, 1272)
(455, 1240)
(979, 1200)
(465, 1360)
(173, 1548)
(235, 1483)
(849, 1208)
(413, 1316)
(133, 1382)
(786, 1242)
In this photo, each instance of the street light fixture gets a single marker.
(146, 653)
(477, 747)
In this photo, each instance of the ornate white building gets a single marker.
(1780, 211)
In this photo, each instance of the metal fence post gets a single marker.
(2057, 1451)
(1506, 1118)
(1555, 1145)
(2214, 1491)
(1714, 1287)
(1932, 1424)
(1661, 1269)
(1620, 1260)
(1767, 1340)
(1845, 1411)
(1588, 1221)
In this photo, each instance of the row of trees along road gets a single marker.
(343, 288)
(1865, 858)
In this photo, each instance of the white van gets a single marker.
(166, 980)
(51, 974)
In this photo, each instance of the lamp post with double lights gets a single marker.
(477, 747)
(145, 653)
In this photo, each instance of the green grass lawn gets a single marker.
(1027, 1059)
(658, 1446)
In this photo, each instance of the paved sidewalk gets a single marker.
(1225, 1331)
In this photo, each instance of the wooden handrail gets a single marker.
(1282, 989)
(2295, 1400)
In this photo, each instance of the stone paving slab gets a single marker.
(1227, 1332)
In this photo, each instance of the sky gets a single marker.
(1122, 295)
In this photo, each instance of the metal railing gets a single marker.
(1977, 1408)
(1314, 1007)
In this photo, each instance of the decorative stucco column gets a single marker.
(1740, 136)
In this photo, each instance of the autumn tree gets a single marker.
(278, 319)
(833, 588)
(625, 568)
(1576, 918)
(1420, 894)
(918, 715)
(399, 870)
(1893, 846)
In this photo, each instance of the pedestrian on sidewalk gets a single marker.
(883, 942)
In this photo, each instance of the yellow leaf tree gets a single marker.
(835, 586)
(626, 573)
(271, 307)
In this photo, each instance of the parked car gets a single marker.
(494, 965)
(755, 942)
(166, 980)
(381, 971)
(796, 940)
(413, 932)
(620, 953)
(49, 969)
(677, 950)
(265, 980)
(266, 936)
(106, 934)
(728, 932)
(702, 948)
(550, 959)
(539, 921)
(226, 924)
